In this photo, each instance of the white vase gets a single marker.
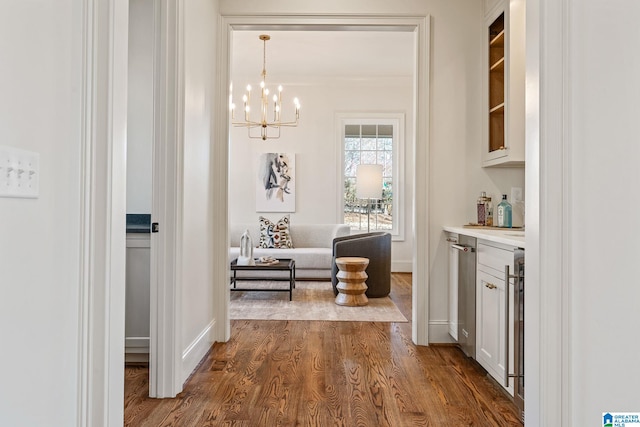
(246, 250)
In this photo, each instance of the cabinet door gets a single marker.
(489, 306)
(491, 332)
(504, 77)
(137, 317)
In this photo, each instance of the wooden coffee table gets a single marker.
(285, 264)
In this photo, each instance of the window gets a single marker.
(371, 141)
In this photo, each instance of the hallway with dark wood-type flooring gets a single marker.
(313, 373)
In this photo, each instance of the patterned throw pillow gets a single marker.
(275, 235)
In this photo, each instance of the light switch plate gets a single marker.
(19, 173)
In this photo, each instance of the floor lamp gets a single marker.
(369, 186)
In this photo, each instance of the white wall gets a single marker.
(317, 148)
(140, 107)
(197, 276)
(40, 82)
(603, 174)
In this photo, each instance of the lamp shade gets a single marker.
(369, 182)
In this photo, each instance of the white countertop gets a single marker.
(499, 235)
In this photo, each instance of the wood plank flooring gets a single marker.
(311, 373)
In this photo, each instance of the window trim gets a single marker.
(397, 119)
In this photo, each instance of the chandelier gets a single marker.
(269, 108)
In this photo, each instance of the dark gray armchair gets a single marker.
(377, 247)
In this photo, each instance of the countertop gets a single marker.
(138, 223)
(499, 235)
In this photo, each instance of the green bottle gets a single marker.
(504, 213)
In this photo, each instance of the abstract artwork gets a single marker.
(276, 185)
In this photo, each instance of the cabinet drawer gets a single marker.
(494, 258)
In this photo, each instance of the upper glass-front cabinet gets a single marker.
(503, 135)
(496, 84)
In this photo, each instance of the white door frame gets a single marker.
(105, 26)
(103, 150)
(165, 355)
(101, 328)
(547, 285)
(420, 25)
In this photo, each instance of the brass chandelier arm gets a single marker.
(247, 124)
(268, 124)
(286, 124)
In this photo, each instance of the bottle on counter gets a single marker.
(504, 213)
(482, 208)
(489, 213)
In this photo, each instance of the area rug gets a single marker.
(311, 301)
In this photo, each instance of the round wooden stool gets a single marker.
(351, 281)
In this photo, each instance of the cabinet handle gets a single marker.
(463, 248)
(452, 240)
(490, 285)
(507, 276)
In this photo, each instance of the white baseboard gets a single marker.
(136, 358)
(198, 348)
(401, 266)
(439, 332)
(136, 345)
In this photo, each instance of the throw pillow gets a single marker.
(275, 235)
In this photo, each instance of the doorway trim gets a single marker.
(420, 26)
(102, 148)
(165, 368)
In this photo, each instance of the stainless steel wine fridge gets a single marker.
(467, 294)
(518, 324)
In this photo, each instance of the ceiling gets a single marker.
(302, 57)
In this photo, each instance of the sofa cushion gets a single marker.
(317, 235)
(275, 235)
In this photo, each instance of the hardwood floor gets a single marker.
(309, 373)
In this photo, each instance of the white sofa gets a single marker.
(312, 246)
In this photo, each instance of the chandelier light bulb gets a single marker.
(280, 88)
(248, 88)
(244, 98)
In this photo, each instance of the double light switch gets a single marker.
(19, 172)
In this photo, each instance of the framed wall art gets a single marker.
(276, 184)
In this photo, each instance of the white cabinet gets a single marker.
(452, 239)
(137, 304)
(504, 81)
(494, 311)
